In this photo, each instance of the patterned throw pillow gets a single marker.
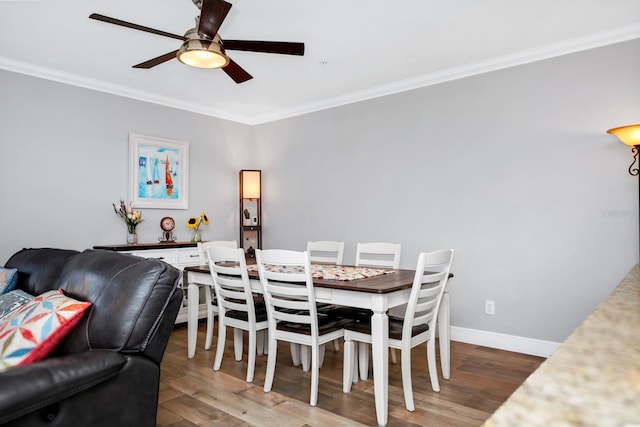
(8, 279)
(35, 329)
(12, 301)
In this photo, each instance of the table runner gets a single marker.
(330, 272)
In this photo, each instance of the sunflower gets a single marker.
(193, 222)
(204, 219)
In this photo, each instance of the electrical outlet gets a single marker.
(490, 307)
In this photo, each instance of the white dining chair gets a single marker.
(204, 246)
(417, 326)
(212, 308)
(325, 252)
(291, 308)
(378, 255)
(237, 307)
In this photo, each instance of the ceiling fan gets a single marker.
(203, 47)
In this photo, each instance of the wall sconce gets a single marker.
(630, 135)
(250, 211)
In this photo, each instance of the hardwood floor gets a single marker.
(192, 394)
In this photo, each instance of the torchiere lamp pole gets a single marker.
(630, 135)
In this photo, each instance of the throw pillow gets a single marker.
(35, 329)
(8, 279)
(12, 301)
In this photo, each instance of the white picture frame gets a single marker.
(158, 172)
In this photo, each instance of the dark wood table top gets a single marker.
(146, 246)
(385, 283)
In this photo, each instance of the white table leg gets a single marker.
(444, 333)
(193, 303)
(380, 354)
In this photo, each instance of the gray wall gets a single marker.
(513, 169)
(65, 160)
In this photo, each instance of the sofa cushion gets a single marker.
(30, 388)
(33, 331)
(12, 301)
(129, 296)
(8, 279)
(39, 268)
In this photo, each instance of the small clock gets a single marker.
(167, 224)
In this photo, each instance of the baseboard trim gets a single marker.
(515, 343)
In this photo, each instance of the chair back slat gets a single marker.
(282, 302)
(294, 317)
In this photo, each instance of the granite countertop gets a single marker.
(593, 378)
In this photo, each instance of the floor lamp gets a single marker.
(630, 135)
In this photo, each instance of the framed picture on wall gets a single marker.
(158, 172)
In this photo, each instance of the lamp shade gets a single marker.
(250, 184)
(629, 134)
(195, 54)
(202, 53)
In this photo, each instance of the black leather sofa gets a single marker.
(106, 372)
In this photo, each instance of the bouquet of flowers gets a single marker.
(129, 216)
(194, 224)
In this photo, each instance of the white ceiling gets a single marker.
(355, 49)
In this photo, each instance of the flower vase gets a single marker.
(132, 238)
(196, 236)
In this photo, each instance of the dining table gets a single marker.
(376, 293)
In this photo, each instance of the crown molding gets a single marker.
(591, 41)
(577, 44)
(113, 89)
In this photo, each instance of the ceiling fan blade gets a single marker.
(212, 15)
(236, 72)
(286, 48)
(157, 61)
(115, 21)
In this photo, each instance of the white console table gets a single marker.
(178, 254)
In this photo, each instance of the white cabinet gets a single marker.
(178, 254)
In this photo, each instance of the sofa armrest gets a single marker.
(25, 389)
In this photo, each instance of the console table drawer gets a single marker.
(168, 256)
(188, 257)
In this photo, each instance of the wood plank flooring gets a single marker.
(192, 394)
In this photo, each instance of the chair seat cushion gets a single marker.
(259, 305)
(261, 314)
(325, 326)
(341, 312)
(395, 327)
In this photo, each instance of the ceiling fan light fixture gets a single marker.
(202, 54)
